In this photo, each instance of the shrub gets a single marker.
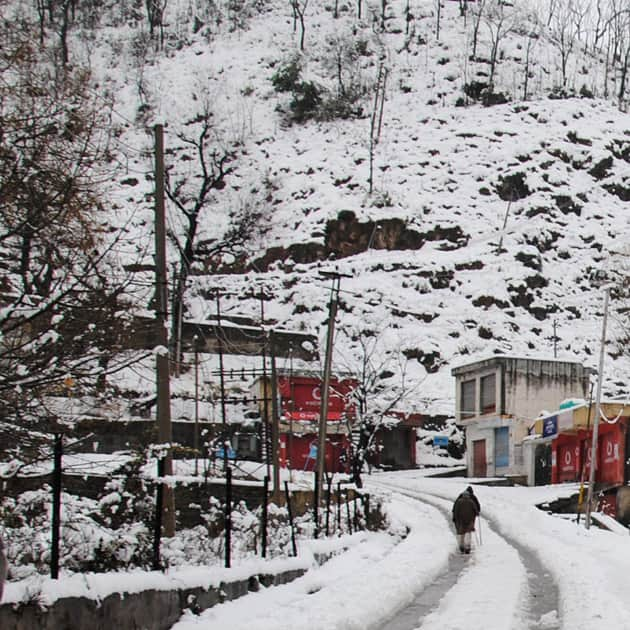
(305, 102)
(287, 77)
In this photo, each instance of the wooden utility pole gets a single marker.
(275, 424)
(222, 385)
(196, 436)
(323, 413)
(292, 409)
(163, 413)
(265, 395)
(56, 506)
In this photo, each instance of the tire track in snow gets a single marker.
(519, 593)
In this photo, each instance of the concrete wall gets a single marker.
(532, 386)
(524, 386)
(147, 610)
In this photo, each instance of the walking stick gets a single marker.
(479, 532)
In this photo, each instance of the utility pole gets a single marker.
(163, 413)
(598, 403)
(196, 436)
(222, 383)
(275, 423)
(265, 396)
(323, 413)
(505, 220)
(292, 411)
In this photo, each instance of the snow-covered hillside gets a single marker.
(481, 227)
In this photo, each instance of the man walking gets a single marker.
(465, 510)
(4, 567)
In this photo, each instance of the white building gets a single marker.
(498, 400)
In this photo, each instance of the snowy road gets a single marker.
(532, 571)
(519, 592)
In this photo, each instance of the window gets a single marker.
(502, 447)
(468, 399)
(488, 393)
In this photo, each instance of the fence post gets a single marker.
(56, 506)
(329, 479)
(265, 503)
(159, 500)
(288, 498)
(348, 513)
(355, 513)
(316, 504)
(228, 514)
(339, 507)
(366, 510)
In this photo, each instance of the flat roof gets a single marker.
(506, 358)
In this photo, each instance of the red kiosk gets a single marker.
(300, 408)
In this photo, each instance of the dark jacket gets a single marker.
(4, 567)
(465, 509)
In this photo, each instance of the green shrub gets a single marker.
(287, 77)
(306, 101)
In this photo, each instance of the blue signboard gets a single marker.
(440, 440)
(220, 452)
(550, 426)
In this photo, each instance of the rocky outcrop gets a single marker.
(347, 236)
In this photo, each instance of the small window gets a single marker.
(488, 393)
(468, 403)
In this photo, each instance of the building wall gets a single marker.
(484, 429)
(532, 386)
(523, 388)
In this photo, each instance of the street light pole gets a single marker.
(598, 403)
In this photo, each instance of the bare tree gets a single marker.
(532, 39)
(384, 4)
(341, 58)
(477, 11)
(564, 27)
(382, 387)
(58, 17)
(408, 18)
(192, 195)
(376, 118)
(552, 7)
(499, 18)
(299, 11)
(438, 13)
(155, 16)
(623, 39)
(61, 295)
